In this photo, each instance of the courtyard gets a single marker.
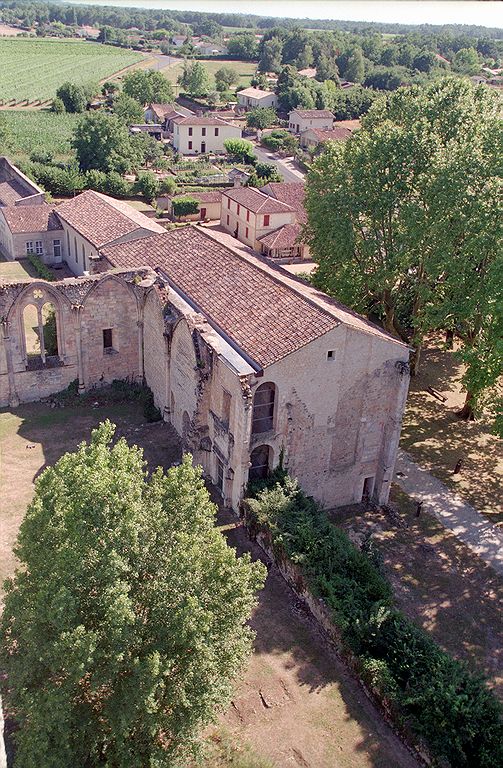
(296, 704)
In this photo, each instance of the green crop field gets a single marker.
(40, 131)
(34, 69)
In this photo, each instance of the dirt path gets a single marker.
(296, 704)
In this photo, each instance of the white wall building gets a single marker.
(199, 135)
(255, 97)
(300, 120)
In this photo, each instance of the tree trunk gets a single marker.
(449, 339)
(466, 411)
(415, 357)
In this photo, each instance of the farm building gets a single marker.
(16, 188)
(250, 98)
(312, 137)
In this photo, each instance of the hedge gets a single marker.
(40, 268)
(430, 693)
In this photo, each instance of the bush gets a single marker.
(240, 150)
(58, 106)
(117, 186)
(147, 186)
(57, 180)
(436, 696)
(40, 268)
(184, 206)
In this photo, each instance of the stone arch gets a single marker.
(101, 283)
(265, 405)
(38, 295)
(261, 462)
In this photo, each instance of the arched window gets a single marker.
(263, 408)
(260, 458)
(40, 333)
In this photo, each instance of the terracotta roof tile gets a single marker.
(313, 113)
(265, 318)
(338, 133)
(256, 201)
(292, 193)
(102, 219)
(10, 192)
(181, 120)
(284, 237)
(31, 218)
(255, 93)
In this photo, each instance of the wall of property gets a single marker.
(181, 138)
(230, 218)
(298, 124)
(250, 102)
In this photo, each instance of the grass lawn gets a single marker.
(245, 70)
(34, 69)
(41, 131)
(295, 703)
(438, 582)
(436, 439)
(15, 271)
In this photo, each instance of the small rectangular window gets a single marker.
(228, 219)
(203, 131)
(228, 202)
(39, 248)
(190, 145)
(247, 215)
(246, 235)
(266, 220)
(107, 338)
(331, 354)
(29, 247)
(75, 249)
(56, 248)
(190, 131)
(216, 131)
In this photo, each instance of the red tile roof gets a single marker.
(256, 201)
(102, 219)
(199, 121)
(10, 192)
(255, 93)
(31, 218)
(338, 133)
(284, 237)
(313, 113)
(292, 193)
(265, 318)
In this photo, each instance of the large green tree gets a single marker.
(403, 220)
(195, 79)
(225, 77)
(102, 142)
(127, 109)
(126, 624)
(146, 86)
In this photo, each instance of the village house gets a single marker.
(249, 215)
(248, 364)
(73, 231)
(198, 135)
(312, 137)
(164, 114)
(299, 120)
(16, 188)
(249, 98)
(209, 205)
(309, 72)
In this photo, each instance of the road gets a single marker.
(286, 167)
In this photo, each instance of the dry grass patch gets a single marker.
(437, 581)
(436, 438)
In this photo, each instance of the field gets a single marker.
(245, 69)
(38, 130)
(34, 69)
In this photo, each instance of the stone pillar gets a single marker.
(78, 335)
(13, 397)
(141, 351)
(40, 321)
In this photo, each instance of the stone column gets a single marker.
(13, 397)
(40, 321)
(141, 351)
(78, 336)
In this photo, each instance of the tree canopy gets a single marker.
(403, 221)
(126, 625)
(195, 79)
(102, 142)
(146, 86)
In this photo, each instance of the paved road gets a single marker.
(466, 523)
(286, 167)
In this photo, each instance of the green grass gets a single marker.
(34, 69)
(14, 271)
(41, 131)
(245, 70)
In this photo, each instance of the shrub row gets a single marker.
(429, 693)
(40, 268)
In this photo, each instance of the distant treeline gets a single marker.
(207, 23)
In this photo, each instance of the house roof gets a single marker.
(31, 218)
(255, 93)
(213, 196)
(284, 237)
(307, 72)
(338, 133)
(182, 120)
(10, 192)
(312, 113)
(167, 110)
(292, 193)
(351, 125)
(266, 319)
(102, 219)
(264, 310)
(256, 201)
